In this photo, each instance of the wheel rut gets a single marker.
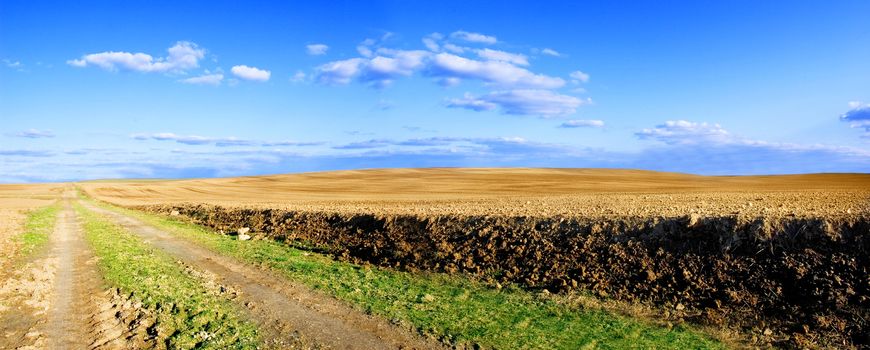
(82, 313)
(65, 327)
(289, 315)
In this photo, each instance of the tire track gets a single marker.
(83, 315)
(288, 314)
(64, 328)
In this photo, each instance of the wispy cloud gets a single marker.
(292, 143)
(205, 79)
(473, 37)
(579, 77)
(16, 65)
(216, 141)
(591, 123)
(182, 56)
(706, 142)
(686, 132)
(298, 77)
(543, 103)
(33, 134)
(497, 55)
(756, 157)
(316, 49)
(496, 73)
(431, 41)
(368, 144)
(25, 153)
(251, 73)
(551, 52)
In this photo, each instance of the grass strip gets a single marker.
(188, 316)
(37, 228)
(451, 307)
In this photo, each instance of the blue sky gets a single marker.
(196, 89)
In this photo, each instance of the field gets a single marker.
(511, 192)
(434, 258)
(782, 258)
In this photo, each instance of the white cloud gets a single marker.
(474, 37)
(365, 51)
(502, 56)
(498, 73)
(521, 91)
(431, 41)
(686, 132)
(182, 56)
(316, 49)
(455, 48)
(542, 103)
(205, 79)
(379, 71)
(470, 102)
(365, 47)
(251, 73)
(339, 72)
(592, 123)
(551, 52)
(402, 63)
(579, 77)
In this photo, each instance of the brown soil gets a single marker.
(291, 316)
(56, 301)
(785, 258)
(511, 192)
(15, 201)
(805, 279)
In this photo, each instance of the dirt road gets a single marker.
(61, 303)
(290, 316)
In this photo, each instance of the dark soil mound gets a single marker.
(793, 281)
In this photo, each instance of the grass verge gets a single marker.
(453, 308)
(37, 229)
(187, 314)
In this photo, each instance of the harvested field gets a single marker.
(15, 201)
(510, 192)
(782, 257)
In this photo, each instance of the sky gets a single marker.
(172, 89)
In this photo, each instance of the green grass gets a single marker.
(455, 308)
(188, 315)
(37, 229)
